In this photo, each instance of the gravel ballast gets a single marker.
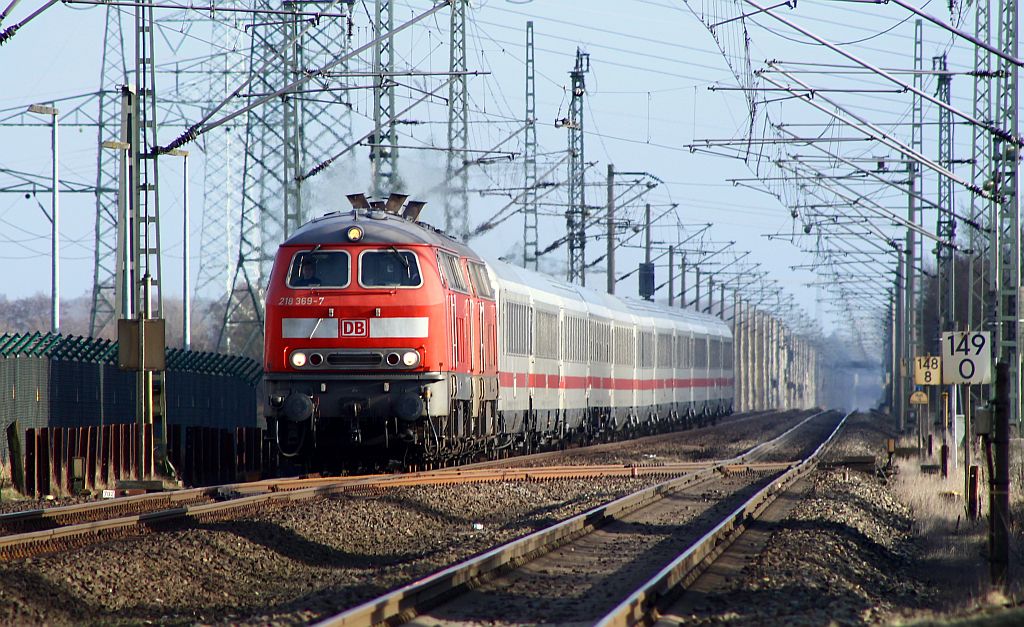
(289, 565)
(852, 552)
(845, 554)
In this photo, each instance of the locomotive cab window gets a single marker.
(319, 269)
(451, 270)
(481, 281)
(389, 268)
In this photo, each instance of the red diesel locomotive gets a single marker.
(382, 343)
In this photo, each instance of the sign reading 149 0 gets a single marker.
(966, 357)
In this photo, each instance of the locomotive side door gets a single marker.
(467, 308)
(458, 295)
(483, 313)
(464, 336)
(453, 332)
(474, 332)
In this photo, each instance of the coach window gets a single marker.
(319, 268)
(574, 339)
(665, 357)
(517, 327)
(389, 268)
(481, 280)
(597, 338)
(646, 349)
(700, 353)
(546, 334)
(625, 346)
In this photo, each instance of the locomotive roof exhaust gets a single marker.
(358, 201)
(392, 205)
(395, 202)
(412, 210)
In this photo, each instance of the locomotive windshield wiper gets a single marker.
(405, 262)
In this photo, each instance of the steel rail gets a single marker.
(431, 588)
(140, 503)
(638, 607)
(137, 502)
(606, 446)
(250, 497)
(82, 523)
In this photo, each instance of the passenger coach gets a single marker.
(574, 360)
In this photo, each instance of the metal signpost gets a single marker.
(967, 359)
(927, 371)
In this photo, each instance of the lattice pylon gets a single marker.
(384, 151)
(281, 138)
(979, 274)
(530, 234)
(105, 305)
(1006, 246)
(223, 158)
(576, 214)
(456, 211)
(146, 198)
(945, 220)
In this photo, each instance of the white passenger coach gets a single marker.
(575, 360)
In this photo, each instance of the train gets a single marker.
(388, 340)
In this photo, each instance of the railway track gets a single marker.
(614, 564)
(620, 445)
(41, 531)
(75, 526)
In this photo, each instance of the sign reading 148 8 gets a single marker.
(927, 370)
(966, 357)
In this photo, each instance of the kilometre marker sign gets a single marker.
(966, 357)
(927, 370)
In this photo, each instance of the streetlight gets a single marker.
(54, 219)
(124, 291)
(186, 330)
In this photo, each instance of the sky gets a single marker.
(658, 82)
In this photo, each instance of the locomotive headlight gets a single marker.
(411, 358)
(298, 359)
(354, 233)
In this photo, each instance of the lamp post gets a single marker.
(186, 304)
(54, 218)
(124, 291)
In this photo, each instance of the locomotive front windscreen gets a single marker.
(319, 269)
(389, 268)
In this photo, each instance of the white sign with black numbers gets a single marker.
(927, 370)
(966, 357)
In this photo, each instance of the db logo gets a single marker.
(353, 328)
